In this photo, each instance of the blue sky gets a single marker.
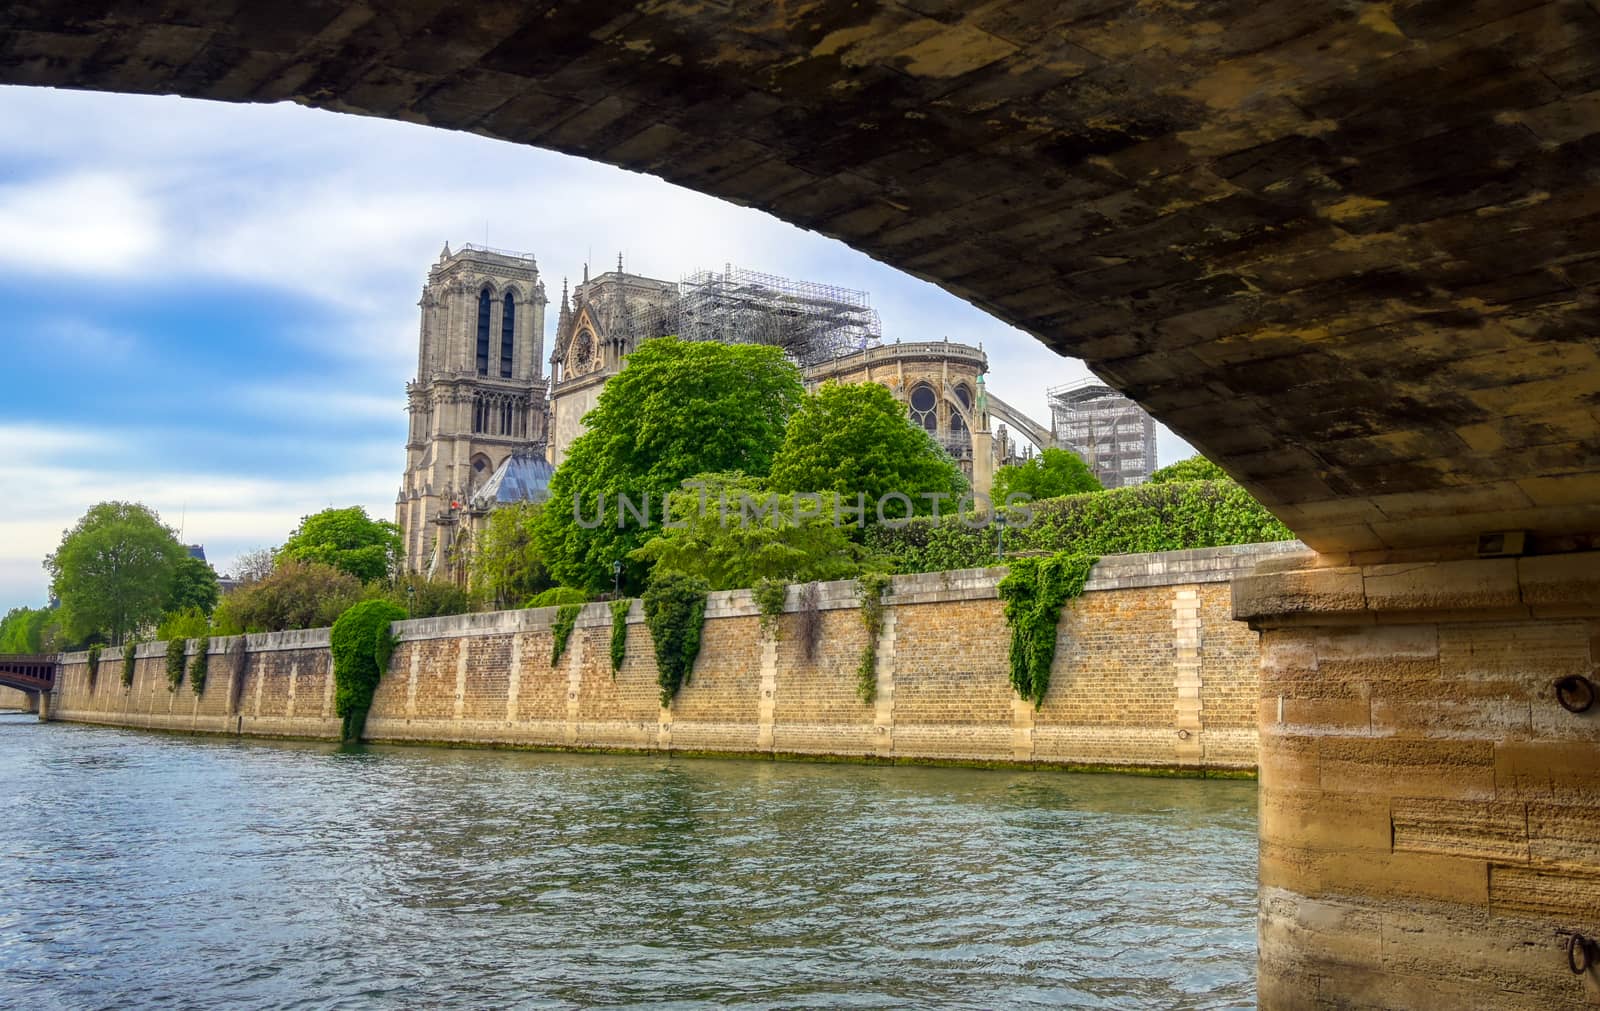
(212, 308)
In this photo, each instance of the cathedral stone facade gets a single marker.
(480, 395)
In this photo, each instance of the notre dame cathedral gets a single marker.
(488, 426)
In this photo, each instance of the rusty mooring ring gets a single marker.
(1183, 735)
(1575, 693)
(1577, 945)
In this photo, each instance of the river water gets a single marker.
(145, 870)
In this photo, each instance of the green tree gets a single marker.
(729, 532)
(1196, 468)
(296, 595)
(346, 539)
(189, 623)
(678, 409)
(856, 440)
(194, 585)
(113, 571)
(29, 630)
(422, 597)
(506, 564)
(1051, 474)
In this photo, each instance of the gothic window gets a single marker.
(483, 332)
(924, 407)
(507, 336)
(505, 418)
(965, 397)
(480, 420)
(582, 352)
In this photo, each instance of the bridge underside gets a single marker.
(1351, 252)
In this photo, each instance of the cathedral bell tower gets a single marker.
(479, 395)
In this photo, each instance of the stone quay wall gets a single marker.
(1150, 672)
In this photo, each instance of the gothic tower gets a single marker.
(479, 395)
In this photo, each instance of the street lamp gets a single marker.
(411, 597)
(1000, 533)
(616, 578)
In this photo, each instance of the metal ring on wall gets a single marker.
(1578, 945)
(1183, 735)
(1575, 693)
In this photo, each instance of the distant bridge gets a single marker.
(30, 673)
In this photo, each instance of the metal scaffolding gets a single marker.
(1112, 434)
(810, 321)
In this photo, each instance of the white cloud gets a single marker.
(94, 223)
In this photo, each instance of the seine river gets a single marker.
(144, 870)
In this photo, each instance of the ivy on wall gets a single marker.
(199, 665)
(770, 595)
(175, 648)
(129, 653)
(561, 630)
(810, 613)
(361, 644)
(674, 610)
(619, 633)
(94, 665)
(1174, 516)
(870, 589)
(1035, 591)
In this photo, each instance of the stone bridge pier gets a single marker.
(1349, 251)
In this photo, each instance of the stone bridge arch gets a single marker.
(1350, 252)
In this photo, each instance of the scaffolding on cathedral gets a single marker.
(810, 321)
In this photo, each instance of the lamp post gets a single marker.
(616, 578)
(1000, 533)
(411, 597)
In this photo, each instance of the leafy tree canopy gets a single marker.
(189, 623)
(422, 597)
(730, 532)
(855, 439)
(1051, 474)
(678, 409)
(347, 539)
(29, 630)
(253, 566)
(1196, 468)
(114, 571)
(296, 595)
(194, 585)
(506, 563)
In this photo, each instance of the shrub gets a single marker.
(561, 630)
(870, 588)
(674, 609)
(619, 633)
(130, 651)
(556, 596)
(295, 595)
(361, 645)
(1034, 592)
(199, 664)
(423, 597)
(770, 596)
(189, 623)
(1196, 468)
(175, 648)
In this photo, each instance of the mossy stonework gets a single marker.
(1116, 698)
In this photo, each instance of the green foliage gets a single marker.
(557, 596)
(674, 610)
(1051, 474)
(29, 630)
(423, 597)
(199, 663)
(361, 645)
(190, 623)
(94, 664)
(113, 570)
(1034, 592)
(1165, 517)
(194, 585)
(678, 409)
(715, 537)
(130, 651)
(506, 563)
(561, 630)
(770, 596)
(619, 633)
(810, 615)
(856, 439)
(175, 648)
(347, 539)
(1196, 468)
(870, 588)
(295, 595)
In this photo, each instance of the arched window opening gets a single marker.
(507, 336)
(964, 396)
(479, 415)
(925, 407)
(483, 332)
(505, 418)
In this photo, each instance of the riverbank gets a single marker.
(1151, 674)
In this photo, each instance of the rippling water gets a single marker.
(150, 870)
